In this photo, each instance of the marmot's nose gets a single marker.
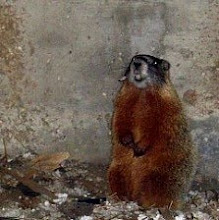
(137, 64)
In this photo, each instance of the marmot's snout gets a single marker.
(138, 69)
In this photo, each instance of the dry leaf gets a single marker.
(46, 162)
(49, 162)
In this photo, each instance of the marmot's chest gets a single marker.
(140, 116)
(136, 110)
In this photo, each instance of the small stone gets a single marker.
(27, 155)
(180, 217)
(190, 96)
(61, 198)
(46, 203)
(86, 218)
(19, 48)
(189, 216)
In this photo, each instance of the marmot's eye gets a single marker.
(155, 63)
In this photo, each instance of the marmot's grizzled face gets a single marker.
(146, 70)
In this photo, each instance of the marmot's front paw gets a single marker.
(139, 151)
(128, 141)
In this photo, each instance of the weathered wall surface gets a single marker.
(60, 62)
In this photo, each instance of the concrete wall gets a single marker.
(61, 61)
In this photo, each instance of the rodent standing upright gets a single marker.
(154, 158)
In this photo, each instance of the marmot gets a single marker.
(154, 158)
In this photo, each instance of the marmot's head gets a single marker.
(146, 70)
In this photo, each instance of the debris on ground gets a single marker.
(34, 168)
(79, 191)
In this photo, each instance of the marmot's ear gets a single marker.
(165, 65)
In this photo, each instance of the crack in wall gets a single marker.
(11, 66)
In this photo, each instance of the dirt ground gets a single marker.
(81, 192)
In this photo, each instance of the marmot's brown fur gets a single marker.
(154, 158)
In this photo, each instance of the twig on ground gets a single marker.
(27, 182)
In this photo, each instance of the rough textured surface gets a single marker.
(80, 188)
(60, 62)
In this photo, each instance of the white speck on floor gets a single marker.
(62, 197)
(86, 218)
(180, 217)
(142, 217)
